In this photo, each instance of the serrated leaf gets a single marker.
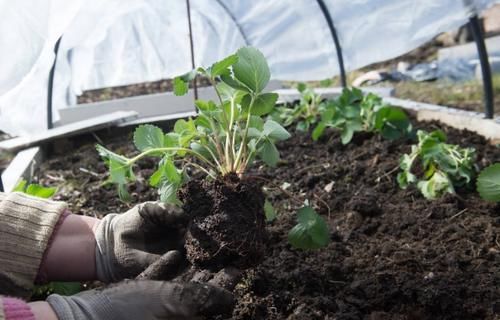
(180, 84)
(436, 186)
(488, 183)
(275, 131)
(221, 67)
(252, 69)
(148, 137)
(269, 211)
(168, 192)
(263, 104)
(269, 154)
(205, 105)
(234, 83)
(311, 231)
(392, 122)
(180, 87)
(256, 122)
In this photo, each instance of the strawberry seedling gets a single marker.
(354, 112)
(442, 166)
(226, 137)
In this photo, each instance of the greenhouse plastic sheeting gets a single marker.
(117, 42)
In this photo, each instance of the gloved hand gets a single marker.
(128, 243)
(144, 300)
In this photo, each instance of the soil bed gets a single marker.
(393, 254)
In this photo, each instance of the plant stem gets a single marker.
(154, 150)
(197, 166)
(245, 134)
(230, 158)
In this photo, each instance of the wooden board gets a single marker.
(456, 118)
(87, 125)
(291, 95)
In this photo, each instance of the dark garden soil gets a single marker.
(227, 222)
(392, 255)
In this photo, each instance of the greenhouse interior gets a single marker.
(237, 159)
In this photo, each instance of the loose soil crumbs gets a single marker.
(393, 254)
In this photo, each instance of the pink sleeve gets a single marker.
(16, 309)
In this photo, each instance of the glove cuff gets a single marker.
(104, 252)
(90, 305)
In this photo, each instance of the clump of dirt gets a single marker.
(228, 222)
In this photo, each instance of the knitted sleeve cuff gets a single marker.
(41, 277)
(15, 309)
(26, 224)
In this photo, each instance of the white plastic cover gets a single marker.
(117, 42)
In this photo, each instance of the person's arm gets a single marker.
(26, 226)
(71, 254)
(16, 309)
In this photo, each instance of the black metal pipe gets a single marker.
(50, 89)
(488, 98)
(1, 182)
(193, 65)
(340, 57)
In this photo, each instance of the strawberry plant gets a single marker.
(353, 112)
(442, 166)
(222, 141)
(488, 183)
(305, 113)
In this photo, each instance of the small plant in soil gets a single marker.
(488, 183)
(227, 136)
(441, 168)
(303, 114)
(353, 112)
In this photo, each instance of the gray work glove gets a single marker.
(128, 243)
(136, 300)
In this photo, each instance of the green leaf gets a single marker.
(256, 122)
(392, 123)
(318, 131)
(168, 192)
(233, 83)
(205, 105)
(301, 87)
(21, 186)
(436, 186)
(40, 191)
(488, 183)
(262, 105)
(269, 211)
(221, 67)
(275, 131)
(252, 69)
(180, 87)
(311, 231)
(171, 140)
(148, 137)
(346, 135)
(269, 154)
(181, 83)
(123, 193)
(118, 171)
